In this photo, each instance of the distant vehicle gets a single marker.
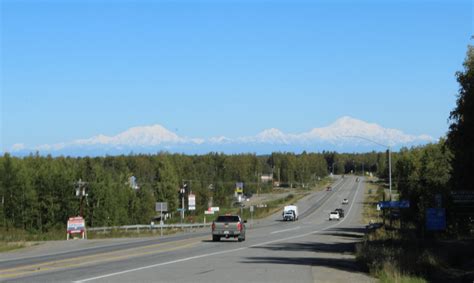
(345, 201)
(329, 188)
(290, 213)
(334, 216)
(341, 212)
(228, 226)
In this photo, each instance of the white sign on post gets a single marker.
(192, 202)
(161, 206)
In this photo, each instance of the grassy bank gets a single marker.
(395, 255)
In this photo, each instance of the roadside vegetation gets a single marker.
(396, 254)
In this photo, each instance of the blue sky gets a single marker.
(76, 69)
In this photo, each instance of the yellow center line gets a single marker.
(98, 258)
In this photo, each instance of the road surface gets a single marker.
(312, 249)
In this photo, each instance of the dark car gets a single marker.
(341, 212)
(329, 188)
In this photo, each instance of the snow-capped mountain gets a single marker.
(347, 128)
(137, 136)
(346, 133)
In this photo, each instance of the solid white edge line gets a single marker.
(221, 252)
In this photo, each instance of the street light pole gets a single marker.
(389, 161)
(390, 172)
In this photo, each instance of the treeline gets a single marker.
(38, 192)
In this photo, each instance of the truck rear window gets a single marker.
(227, 218)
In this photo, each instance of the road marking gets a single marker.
(280, 231)
(221, 252)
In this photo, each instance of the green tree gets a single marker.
(461, 130)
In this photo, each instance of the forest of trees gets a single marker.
(38, 192)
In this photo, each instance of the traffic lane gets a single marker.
(304, 206)
(307, 205)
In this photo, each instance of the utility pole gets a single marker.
(258, 184)
(183, 192)
(81, 193)
(390, 181)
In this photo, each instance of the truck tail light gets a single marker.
(239, 226)
(213, 226)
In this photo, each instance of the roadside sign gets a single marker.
(192, 202)
(208, 212)
(239, 188)
(394, 204)
(76, 225)
(214, 208)
(161, 206)
(251, 208)
(435, 219)
(463, 197)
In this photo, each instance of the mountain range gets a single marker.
(346, 134)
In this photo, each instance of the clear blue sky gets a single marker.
(75, 69)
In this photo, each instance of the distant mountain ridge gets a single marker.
(345, 132)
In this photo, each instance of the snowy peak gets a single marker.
(273, 136)
(347, 128)
(136, 136)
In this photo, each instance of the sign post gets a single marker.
(161, 206)
(251, 215)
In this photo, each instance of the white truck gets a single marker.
(334, 215)
(290, 213)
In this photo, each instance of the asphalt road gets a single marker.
(312, 249)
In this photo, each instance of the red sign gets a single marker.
(76, 225)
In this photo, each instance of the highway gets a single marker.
(312, 249)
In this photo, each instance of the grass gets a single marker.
(372, 196)
(19, 235)
(8, 246)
